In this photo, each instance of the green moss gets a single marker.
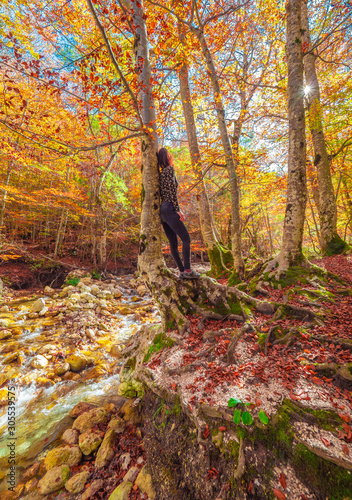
(234, 278)
(335, 246)
(331, 481)
(218, 255)
(160, 342)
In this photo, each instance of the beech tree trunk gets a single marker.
(230, 164)
(330, 241)
(217, 256)
(291, 249)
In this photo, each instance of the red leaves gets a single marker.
(283, 480)
(279, 494)
(345, 449)
(206, 432)
(222, 428)
(212, 474)
(173, 385)
(325, 442)
(345, 418)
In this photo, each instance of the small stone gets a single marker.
(141, 290)
(38, 306)
(89, 441)
(76, 483)
(4, 309)
(5, 334)
(131, 474)
(125, 460)
(117, 294)
(54, 480)
(103, 304)
(43, 311)
(77, 362)
(61, 369)
(121, 492)
(10, 358)
(105, 453)
(70, 436)
(67, 455)
(140, 460)
(90, 333)
(49, 290)
(32, 315)
(89, 419)
(144, 483)
(115, 350)
(92, 489)
(118, 424)
(39, 361)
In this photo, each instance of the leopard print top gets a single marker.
(168, 186)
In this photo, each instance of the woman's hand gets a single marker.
(182, 217)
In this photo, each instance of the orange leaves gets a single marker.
(283, 480)
(279, 494)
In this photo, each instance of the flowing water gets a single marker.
(42, 410)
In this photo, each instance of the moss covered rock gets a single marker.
(89, 419)
(68, 455)
(145, 483)
(89, 441)
(77, 362)
(54, 479)
(121, 492)
(76, 483)
(106, 452)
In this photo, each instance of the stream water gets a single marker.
(42, 408)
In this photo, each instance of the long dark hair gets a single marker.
(164, 159)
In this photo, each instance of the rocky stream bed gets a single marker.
(110, 406)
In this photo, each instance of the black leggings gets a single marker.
(173, 227)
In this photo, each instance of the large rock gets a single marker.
(39, 361)
(131, 474)
(81, 408)
(121, 492)
(89, 441)
(54, 480)
(70, 436)
(89, 419)
(145, 484)
(118, 424)
(68, 455)
(106, 453)
(76, 483)
(131, 412)
(61, 369)
(38, 306)
(77, 362)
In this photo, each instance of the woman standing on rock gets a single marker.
(171, 216)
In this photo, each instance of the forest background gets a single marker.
(70, 160)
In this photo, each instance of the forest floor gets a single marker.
(263, 377)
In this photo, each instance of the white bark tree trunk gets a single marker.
(216, 255)
(330, 241)
(291, 249)
(230, 164)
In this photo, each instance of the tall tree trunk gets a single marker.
(331, 243)
(217, 256)
(291, 249)
(230, 164)
(3, 204)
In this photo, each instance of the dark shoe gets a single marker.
(189, 275)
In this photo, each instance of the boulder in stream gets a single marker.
(39, 361)
(70, 436)
(77, 362)
(38, 305)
